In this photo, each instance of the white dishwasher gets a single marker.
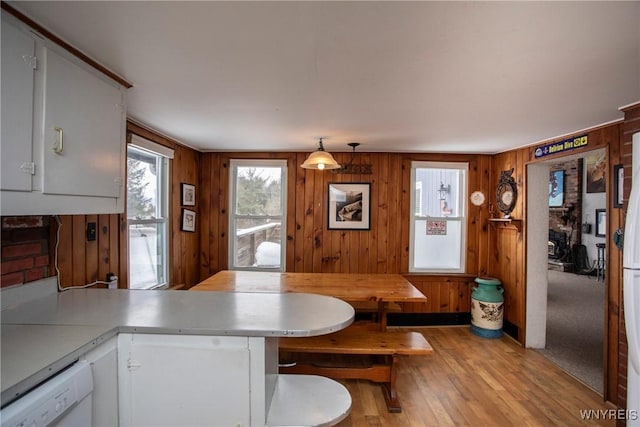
(64, 400)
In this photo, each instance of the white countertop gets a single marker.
(42, 336)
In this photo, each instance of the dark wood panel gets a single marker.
(312, 247)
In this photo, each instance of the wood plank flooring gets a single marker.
(476, 382)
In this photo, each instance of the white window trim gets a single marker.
(167, 154)
(462, 217)
(151, 146)
(234, 163)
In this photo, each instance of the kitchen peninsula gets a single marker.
(194, 357)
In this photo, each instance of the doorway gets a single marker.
(565, 310)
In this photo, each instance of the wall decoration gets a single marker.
(596, 172)
(188, 194)
(561, 146)
(556, 188)
(506, 193)
(436, 228)
(601, 222)
(618, 186)
(477, 198)
(349, 206)
(188, 220)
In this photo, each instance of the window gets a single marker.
(257, 218)
(147, 213)
(438, 225)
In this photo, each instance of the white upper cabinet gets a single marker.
(83, 139)
(63, 130)
(18, 65)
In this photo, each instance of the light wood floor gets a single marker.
(476, 382)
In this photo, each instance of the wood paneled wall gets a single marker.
(311, 247)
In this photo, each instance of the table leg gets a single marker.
(383, 308)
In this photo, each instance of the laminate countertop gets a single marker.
(42, 336)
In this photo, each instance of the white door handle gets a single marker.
(60, 145)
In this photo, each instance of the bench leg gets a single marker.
(383, 308)
(389, 388)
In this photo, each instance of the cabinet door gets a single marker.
(178, 380)
(83, 127)
(18, 61)
(104, 367)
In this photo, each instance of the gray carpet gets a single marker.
(575, 326)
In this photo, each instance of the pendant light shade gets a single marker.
(320, 160)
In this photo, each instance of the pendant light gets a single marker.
(320, 160)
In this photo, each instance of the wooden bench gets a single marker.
(354, 353)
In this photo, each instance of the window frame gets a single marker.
(234, 164)
(164, 154)
(462, 217)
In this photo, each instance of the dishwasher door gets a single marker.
(63, 400)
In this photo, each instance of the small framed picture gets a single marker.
(188, 221)
(188, 194)
(618, 189)
(556, 188)
(601, 222)
(349, 206)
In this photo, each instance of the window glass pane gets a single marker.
(147, 244)
(258, 214)
(147, 194)
(258, 191)
(438, 224)
(437, 251)
(257, 243)
(439, 192)
(143, 185)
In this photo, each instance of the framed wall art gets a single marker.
(556, 188)
(188, 220)
(601, 222)
(596, 172)
(188, 194)
(349, 206)
(618, 186)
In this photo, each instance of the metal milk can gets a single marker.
(487, 307)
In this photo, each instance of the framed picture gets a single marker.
(188, 194)
(596, 173)
(618, 186)
(349, 206)
(601, 222)
(188, 221)
(556, 188)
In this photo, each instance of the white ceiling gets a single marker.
(478, 77)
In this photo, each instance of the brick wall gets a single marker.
(25, 249)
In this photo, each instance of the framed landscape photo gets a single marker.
(188, 194)
(188, 220)
(349, 206)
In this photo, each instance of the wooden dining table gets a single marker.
(349, 287)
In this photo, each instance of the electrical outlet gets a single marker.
(91, 231)
(112, 279)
